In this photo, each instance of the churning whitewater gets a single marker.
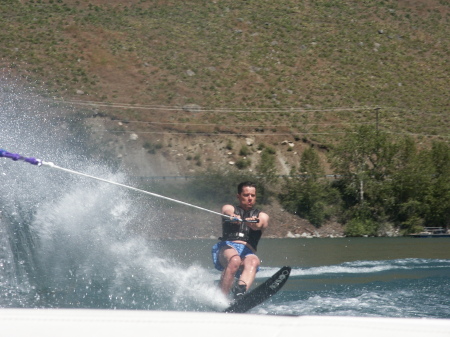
(70, 242)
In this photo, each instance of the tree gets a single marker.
(267, 167)
(410, 185)
(365, 161)
(438, 198)
(306, 194)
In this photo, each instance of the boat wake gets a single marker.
(389, 288)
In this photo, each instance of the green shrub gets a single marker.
(243, 163)
(361, 227)
(270, 150)
(245, 151)
(229, 145)
(152, 147)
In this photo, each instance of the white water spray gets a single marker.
(75, 241)
(85, 237)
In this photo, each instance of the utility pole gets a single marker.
(377, 112)
(361, 190)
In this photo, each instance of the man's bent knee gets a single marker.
(234, 262)
(252, 261)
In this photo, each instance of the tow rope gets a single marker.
(39, 162)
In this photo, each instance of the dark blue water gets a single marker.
(66, 242)
(394, 288)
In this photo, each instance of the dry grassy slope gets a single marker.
(238, 56)
(235, 58)
(253, 54)
(241, 54)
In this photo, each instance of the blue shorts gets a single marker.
(241, 249)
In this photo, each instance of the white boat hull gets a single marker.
(111, 323)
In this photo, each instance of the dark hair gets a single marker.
(245, 184)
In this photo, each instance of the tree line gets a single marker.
(385, 183)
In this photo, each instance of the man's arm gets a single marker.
(228, 210)
(262, 224)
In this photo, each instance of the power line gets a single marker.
(228, 109)
(219, 133)
(221, 110)
(255, 134)
(415, 134)
(378, 123)
(241, 126)
(376, 109)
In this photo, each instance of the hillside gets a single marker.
(234, 54)
(277, 71)
(173, 88)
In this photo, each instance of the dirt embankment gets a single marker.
(184, 156)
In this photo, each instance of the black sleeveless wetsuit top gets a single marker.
(240, 231)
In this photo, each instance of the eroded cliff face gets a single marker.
(165, 152)
(165, 157)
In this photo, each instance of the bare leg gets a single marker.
(230, 259)
(251, 264)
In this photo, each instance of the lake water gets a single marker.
(389, 277)
(64, 265)
(69, 242)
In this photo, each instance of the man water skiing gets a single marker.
(235, 254)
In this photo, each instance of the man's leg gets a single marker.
(229, 258)
(251, 263)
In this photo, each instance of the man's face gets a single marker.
(247, 198)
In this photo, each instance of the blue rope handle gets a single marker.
(15, 157)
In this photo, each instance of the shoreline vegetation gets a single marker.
(387, 186)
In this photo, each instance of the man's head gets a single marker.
(247, 195)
